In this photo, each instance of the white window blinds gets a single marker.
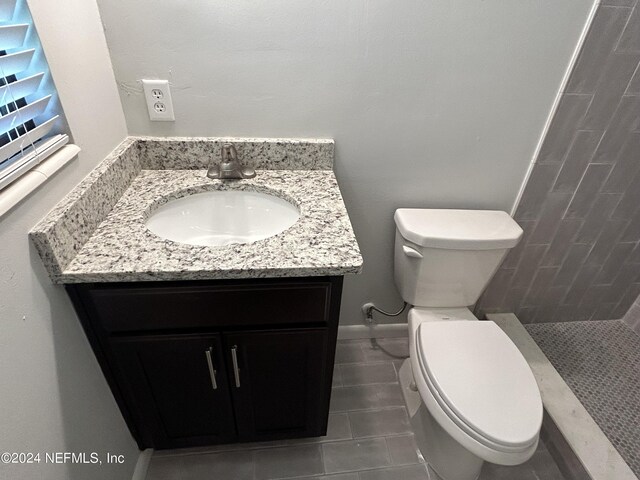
(29, 119)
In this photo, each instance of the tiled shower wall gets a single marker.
(580, 211)
(632, 318)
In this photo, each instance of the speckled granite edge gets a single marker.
(196, 153)
(213, 274)
(60, 235)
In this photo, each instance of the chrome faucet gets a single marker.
(230, 167)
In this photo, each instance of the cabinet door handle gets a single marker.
(212, 371)
(236, 370)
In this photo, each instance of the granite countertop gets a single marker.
(114, 245)
(320, 243)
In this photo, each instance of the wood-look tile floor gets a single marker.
(369, 437)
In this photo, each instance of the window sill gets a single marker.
(27, 183)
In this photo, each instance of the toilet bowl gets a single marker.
(470, 394)
(474, 396)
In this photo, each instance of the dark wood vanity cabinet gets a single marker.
(205, 362)
(166, 379)
(281, 383)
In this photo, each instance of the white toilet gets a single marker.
(470, 394)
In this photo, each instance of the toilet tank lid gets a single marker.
(458, 229)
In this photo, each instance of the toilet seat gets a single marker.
(476, 382)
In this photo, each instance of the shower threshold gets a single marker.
(578, 445)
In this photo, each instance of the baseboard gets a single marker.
(386, 330)
(142, 465)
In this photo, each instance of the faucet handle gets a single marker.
(228, 153)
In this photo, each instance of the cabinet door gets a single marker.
(279, 383)
(179, 388)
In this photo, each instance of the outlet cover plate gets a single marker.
(158, 97)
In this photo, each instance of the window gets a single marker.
(31, 127)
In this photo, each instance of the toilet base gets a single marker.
(449, 459)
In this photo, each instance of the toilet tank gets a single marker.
(445, 258)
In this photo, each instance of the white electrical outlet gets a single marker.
(158, 97)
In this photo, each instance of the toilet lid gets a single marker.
(482, 379)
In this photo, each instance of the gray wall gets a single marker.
(580, 257)
(53, 396)
(431, 103)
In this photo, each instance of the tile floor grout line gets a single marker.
(377, 362)
(324, 466)
(363, 384)
(239, 448)
(254, 469)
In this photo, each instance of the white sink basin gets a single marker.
(222, 218)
